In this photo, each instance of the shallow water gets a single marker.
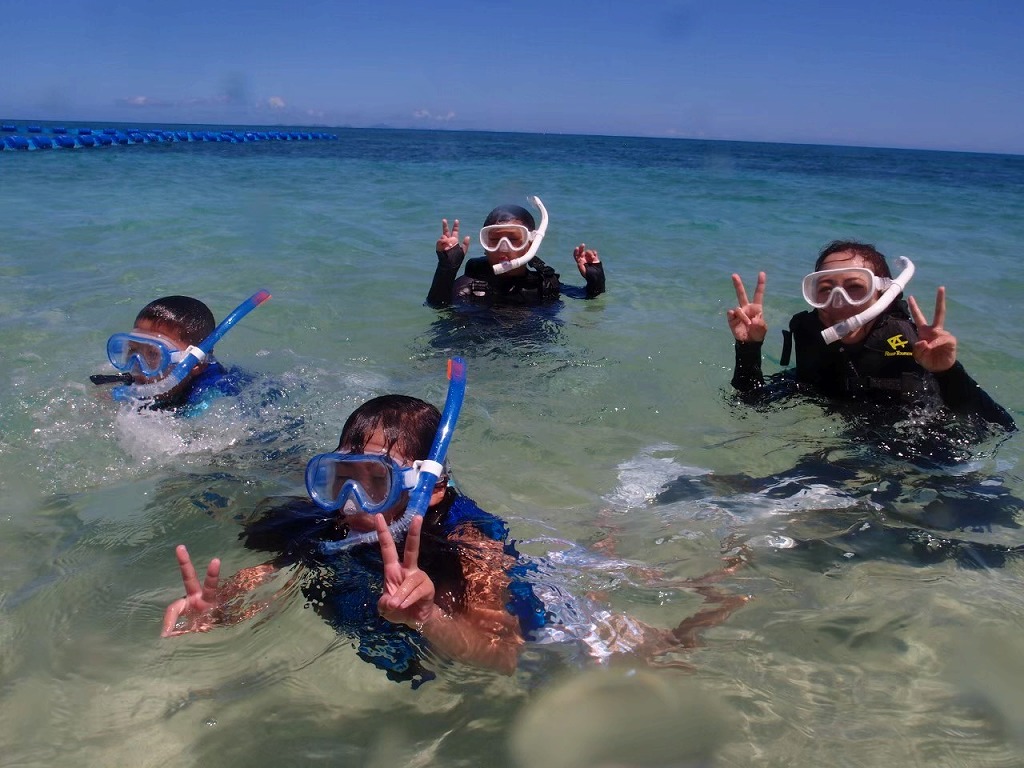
(863, 644)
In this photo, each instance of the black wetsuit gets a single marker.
(539, 284)
(879, 370)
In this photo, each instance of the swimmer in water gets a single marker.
(860, 340)
(167, 358)
(401, 582)
(510, 272)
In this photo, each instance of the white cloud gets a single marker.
(426, 114)
(142, 101)
(275, 102)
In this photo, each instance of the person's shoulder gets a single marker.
(807, 319)
(216, 381)
(464, 513)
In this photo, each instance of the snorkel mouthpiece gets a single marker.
(851, 324)
(430, 469)
(195, 355)
(111, 378)
(507, 266)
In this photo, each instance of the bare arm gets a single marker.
(211, 603)
(482, 633)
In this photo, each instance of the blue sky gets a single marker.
(934, 74)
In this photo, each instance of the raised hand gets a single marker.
(194, 612)
(408, 592)
(746, 321)
(583, 256)
(450, 237)
(936, 349)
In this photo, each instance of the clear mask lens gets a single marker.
(151, 355)
(373, 483)
(514, 237)
(853, 287)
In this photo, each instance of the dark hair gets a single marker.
(506, 213)
(189, 318)
(869, 253)
(408, 423)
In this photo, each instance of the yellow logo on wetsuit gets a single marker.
(897, 344)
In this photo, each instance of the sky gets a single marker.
(928, 74)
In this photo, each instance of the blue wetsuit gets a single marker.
(344, 587)
(216, 381)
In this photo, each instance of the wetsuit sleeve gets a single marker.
(961, 394)
(747, 375)
(595, 279)
(442, 287)
(594, 287)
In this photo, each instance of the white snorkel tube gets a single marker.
(194, 356)
(507, 266)
(851, 324)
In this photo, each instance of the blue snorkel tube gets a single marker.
(195, 356)
(430, 469)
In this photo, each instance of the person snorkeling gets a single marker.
(510, 272)
(384, 487)
(394, 557)
(860, 341)
(166, 360)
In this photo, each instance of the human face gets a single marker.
(509, 240)
(360, 521)
(167, 336)
(852, 283)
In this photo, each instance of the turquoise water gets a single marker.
(574, 420)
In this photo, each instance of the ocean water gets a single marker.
(603, 431)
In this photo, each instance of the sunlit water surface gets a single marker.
(604, 432)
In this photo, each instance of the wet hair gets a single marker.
(868, 252)
(190, 319)
(506, 213)
(408, 424)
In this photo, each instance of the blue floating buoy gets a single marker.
(94, 137)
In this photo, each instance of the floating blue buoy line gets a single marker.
(59, 137)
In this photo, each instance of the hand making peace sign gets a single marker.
(195, 610)
(936, 349)
(450, 237)
(747, 321)
(408, 592)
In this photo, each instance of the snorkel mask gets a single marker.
(334, 480)
(492, 236)
(152, 355)
(821, 289)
